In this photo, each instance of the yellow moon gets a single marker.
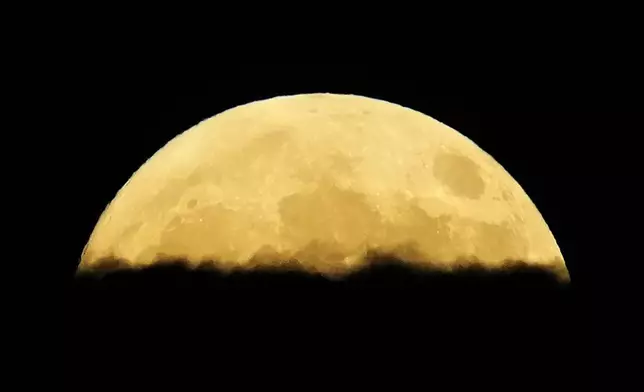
(322, 179)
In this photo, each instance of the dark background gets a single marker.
(157, 326)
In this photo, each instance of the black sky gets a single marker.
(540, 129)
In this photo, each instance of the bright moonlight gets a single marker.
(322, 179)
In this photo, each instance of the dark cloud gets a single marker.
(389, 326)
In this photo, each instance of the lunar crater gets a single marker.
(459, 174)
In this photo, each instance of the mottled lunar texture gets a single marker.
(322, 178)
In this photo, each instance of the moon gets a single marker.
(322, 179)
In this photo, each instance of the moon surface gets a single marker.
(322, 179)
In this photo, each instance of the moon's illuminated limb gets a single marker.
(323, 178)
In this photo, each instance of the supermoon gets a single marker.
(322, 179)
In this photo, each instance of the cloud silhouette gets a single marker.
(207, 328)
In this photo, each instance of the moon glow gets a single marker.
(322, 179)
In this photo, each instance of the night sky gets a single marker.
(390, 328)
